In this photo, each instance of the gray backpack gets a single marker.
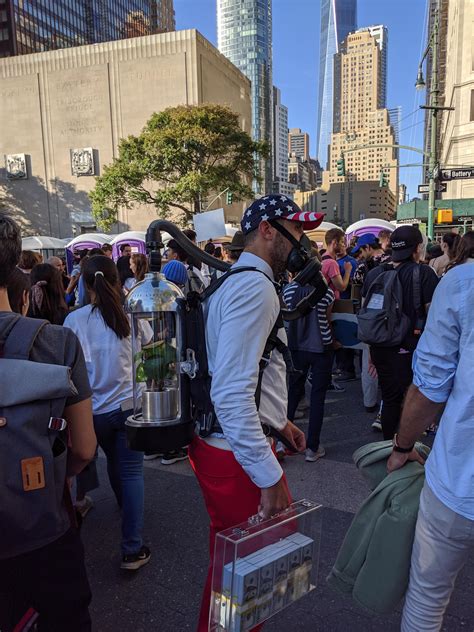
(33, 443)
(381, 320)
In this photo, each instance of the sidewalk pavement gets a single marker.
(165, 595)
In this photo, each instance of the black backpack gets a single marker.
(382, 321)
(202, 409)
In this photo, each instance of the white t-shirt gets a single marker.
(129, 283)
(108, 358)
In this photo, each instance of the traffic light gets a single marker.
(229, 196)
(383, 181)
(341, 166)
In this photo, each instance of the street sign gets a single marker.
(441, 187)
(457, 174)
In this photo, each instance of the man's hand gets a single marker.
(371, 370)
(294, 436)
(347, 266)
(274, 499)
(398, 459)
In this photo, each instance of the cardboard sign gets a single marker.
(209, 225)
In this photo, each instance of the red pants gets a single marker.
(230, 497)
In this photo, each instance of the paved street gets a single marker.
(165, 595)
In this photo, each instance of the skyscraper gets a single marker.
(298, 143)
(280, 146)
(380, 34)
(358, 118)
(244, 36)
(338, 19)
(34, 27)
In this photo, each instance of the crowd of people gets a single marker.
(239, 470)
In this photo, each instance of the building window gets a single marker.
(471, 118)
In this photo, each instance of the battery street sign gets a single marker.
(441, 187)
(457, 174)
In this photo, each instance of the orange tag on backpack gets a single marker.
(32, 471)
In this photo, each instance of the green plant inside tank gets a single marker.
(156, 364)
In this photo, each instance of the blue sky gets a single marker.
(295, 59)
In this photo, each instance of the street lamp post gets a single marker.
(433, 163)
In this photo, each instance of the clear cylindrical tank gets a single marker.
(160, 398)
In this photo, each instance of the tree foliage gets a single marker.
(183, 155)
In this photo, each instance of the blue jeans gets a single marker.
(125, 468)
(321, 367)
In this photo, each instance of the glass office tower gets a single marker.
(244, 36)
(338, 19)
(33, 26)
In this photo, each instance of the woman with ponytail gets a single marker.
(47, 294)
(104, 332)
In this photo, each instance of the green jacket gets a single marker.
(373, 563)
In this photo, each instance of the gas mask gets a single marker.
(307, 270)
(299, 255)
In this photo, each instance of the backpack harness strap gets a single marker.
(21, 338)
(273, 342)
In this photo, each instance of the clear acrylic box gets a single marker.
(263, 566)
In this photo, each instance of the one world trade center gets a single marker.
(338, 19)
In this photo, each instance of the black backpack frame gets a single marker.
(202, 409)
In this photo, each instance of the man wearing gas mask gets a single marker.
(236, 466)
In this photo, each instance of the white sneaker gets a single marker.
(311, 456)
(150, 457)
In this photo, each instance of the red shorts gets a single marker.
(230, 497)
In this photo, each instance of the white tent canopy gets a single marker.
(42, 242)
(369, 223)
(129, 234)
(100, 238)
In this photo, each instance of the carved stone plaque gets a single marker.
(82, 161)
(15, 165)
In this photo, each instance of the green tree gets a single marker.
(183, 155)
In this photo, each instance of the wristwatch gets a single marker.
(397, 448)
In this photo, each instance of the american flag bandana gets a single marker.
(273, 207)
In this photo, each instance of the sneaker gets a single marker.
(376, 425)
(134, 561)
(150, 457)
(334, 386)
(311, 456)
(345, 376)
(84, 506)
(173, 457)
(300, 414)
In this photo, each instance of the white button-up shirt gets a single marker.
(239, 318)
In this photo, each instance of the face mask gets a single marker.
(298, 256)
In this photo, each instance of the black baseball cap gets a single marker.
(404, 241)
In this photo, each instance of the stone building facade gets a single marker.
(63, 112)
